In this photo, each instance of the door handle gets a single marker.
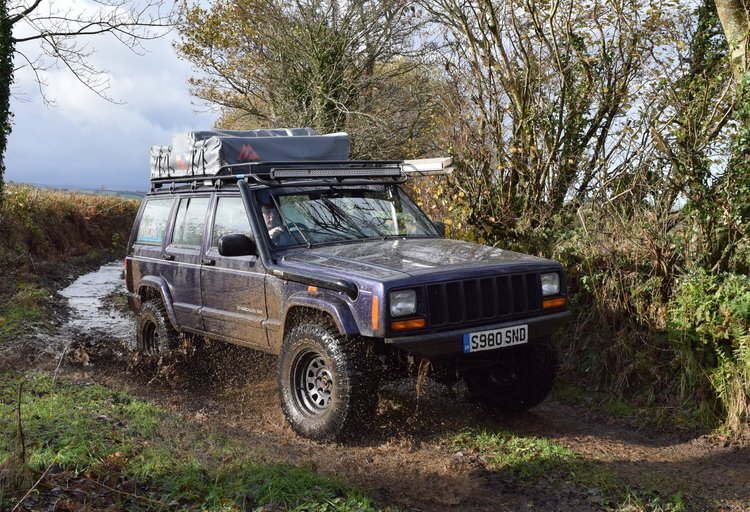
(168, 257)
(208, 261)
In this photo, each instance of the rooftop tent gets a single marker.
(205, 153)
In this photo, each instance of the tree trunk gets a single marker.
(6, 77)
(735, 20)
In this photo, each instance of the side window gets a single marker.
(230, 218)
(191, 218)
(154, 221)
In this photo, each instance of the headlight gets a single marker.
(550, 284)
(403, 302)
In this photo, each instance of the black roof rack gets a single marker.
(296, 173)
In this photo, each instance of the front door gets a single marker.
(234, 302)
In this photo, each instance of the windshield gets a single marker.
(309, 216)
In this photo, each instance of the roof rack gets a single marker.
(315, 172)
(296, 173)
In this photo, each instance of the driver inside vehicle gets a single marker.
(272, 218)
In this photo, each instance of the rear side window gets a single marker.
(191, 219)
(154, 221)
(230, 218)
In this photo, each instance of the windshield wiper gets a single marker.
(336, 210)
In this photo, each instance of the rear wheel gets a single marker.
(519, 381)
(327, 383)
(155, 332)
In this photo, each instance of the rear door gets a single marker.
(234, 302)
(183, 257)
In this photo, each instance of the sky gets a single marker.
(84, 141)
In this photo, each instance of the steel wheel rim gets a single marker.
(313, 382)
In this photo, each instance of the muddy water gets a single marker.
(85, 299)
(90, 323)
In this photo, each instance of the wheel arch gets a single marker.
(153, 287)
(329, 308)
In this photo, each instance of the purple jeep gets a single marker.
(330, 265)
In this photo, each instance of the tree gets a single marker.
(334, 66)
(6, 72)
(546, 92)
(735, 20)
(61, 33)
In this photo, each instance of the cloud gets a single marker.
(85, 141)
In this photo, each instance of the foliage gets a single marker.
(333, 66)
(709, 319)
(95, 431)
(39, 225)
(6, 79)
(625, 164)
(543, 102)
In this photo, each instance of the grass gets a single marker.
(25, 306)
(531, 459)
(91, 430)
(526, 457)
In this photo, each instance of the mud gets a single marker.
(403, 460)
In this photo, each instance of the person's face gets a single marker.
(271, 217)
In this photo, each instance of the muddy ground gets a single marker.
(404, 460)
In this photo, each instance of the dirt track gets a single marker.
(404, 459)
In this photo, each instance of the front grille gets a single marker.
(482, 299)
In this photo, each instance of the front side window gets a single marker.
(309, 216)
(154, 221)
(230, 218)
(191, 219)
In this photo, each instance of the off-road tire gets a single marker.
(155, 333)
(327, 382)
(519, 381)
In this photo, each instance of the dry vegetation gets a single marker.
(46, 237)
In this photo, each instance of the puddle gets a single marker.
(85, 297)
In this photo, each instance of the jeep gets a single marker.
(330, 265)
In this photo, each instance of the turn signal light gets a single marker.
(554, 303)
(404, 325)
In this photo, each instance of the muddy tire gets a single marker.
(327, 383)
(155, 332)
(520, 381)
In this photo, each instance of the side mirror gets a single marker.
(237, 244)
(440, 226)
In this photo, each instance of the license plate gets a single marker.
(496, 338)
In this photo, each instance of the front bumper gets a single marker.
(450, 343)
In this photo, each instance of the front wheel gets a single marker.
(519, 381)
(326, 382)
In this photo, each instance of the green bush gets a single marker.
(709, 321)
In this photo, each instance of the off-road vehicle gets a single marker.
(275, 240)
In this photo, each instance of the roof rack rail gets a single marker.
(296, 173)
